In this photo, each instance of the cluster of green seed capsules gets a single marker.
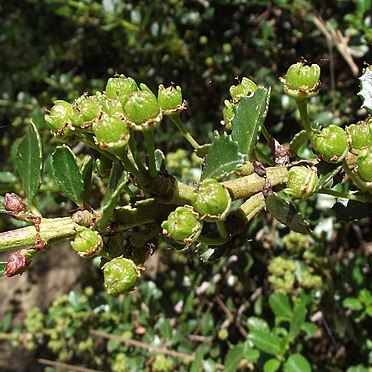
(105, 119)
(211, 202)
(351, 146)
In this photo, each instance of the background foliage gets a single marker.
(58, 49)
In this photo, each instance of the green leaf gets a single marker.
(233, 357)
(222, 159)
(87, 171)
(299, 315)
(252, 355)
(2, 209)
(250, 114)
(67, 174)
(327, 171)
(365, 296)
(118, 180)
(257, 324)
(309, 328)
(279, 304)
(366, 89)
(271, 365)
(297, 141)
(7, 177)
(159, 160)
(358, 368)
(286, 213)
(297, 363)
(2, 268)
(197, 364)
(352, 303)
(204, 252)
(28, 159)
(267, 342)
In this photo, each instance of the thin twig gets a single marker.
(64, 366)
(230, 316)
(339, 40)
(143, 345)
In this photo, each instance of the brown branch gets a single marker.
(142, 345)
(64, 366)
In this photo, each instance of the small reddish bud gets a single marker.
(17, 264)
(14, 204)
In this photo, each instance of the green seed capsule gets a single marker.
(302, 81)
(245, 88)
(211, 200)
(170, 99)
(183, 225)
(142, 109)
(120, 88)
(360, 135)
(87, 242)
(332, 144)
(364, 162)
(302, 182)
(110, 129)
(59, 118)
(86, 109)
(120, 276)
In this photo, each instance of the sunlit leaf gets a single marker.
(255, 323)
(272, 365)
(267, 342)
(222, 159)
(280, 305)
(297, 363)
(366, 89)
(250, 114)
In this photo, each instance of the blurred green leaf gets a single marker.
(222, 159)
(250, 114)
(309, 328)
(286, 213)
(280, 305)
(67, 174)
(2, 209)
(271, 365)
(358, 368)
(234, 356)
(28, 159)
(197, 364)
(258, 324)
(2, 268)
(299, 315)
(297, 363)
(7, 177)
(352, 303)
(267, 342)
